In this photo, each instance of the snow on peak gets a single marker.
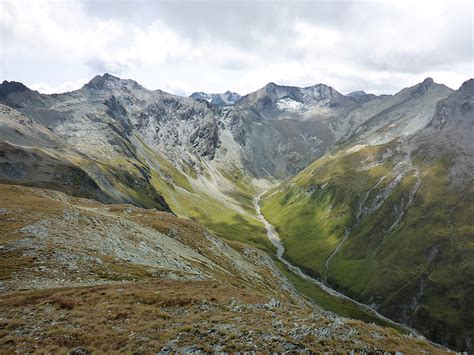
(289, 104)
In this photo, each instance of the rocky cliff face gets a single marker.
(450, 131)
(385, 118)
(288, 127)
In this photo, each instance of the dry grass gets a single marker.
(66, 302)
(145, 317)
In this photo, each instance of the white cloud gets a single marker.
(64, 87)
(374, 46)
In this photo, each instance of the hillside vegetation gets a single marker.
(393, 240)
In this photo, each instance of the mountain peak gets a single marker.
(108, 81)
(101, 80)
(110, 77)
(8, 87)
(319, 85)
(361, 96)
(467, 86)
(423, 87)
(358, 92)
(428, 81)
(270, 86)
(219, 99)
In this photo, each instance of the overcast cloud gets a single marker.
(213, 46)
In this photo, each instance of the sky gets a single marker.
(214, 46)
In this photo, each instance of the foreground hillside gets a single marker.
(182, 316)
(390, 224)
(80, 274)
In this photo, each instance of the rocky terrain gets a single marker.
(51, 240)
(371, 195)
(77, 273)
(185, 316)
(225, 99)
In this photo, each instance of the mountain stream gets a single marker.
(275, 240)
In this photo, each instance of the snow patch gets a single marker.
(289, 104)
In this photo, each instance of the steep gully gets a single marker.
(275, 240)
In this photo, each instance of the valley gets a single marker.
(301, 197)
(275, 239)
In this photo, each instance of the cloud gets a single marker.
(186, 46)
(64, 87)
(108, 65)
(176, 87)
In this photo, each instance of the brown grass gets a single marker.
(66, 302)
(144, 317)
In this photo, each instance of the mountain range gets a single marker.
(225, 99)
(370, 194)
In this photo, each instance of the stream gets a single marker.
(275, 240)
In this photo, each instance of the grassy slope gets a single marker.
(182, 316)
(232, 221)
(227, 222)
(313, 209)
(328, 302)
(311, 213)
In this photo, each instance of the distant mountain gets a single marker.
(384, 217)
(361, 96)
(271, 133)
(298, 125)
(287, 127)
(381, 120)
(118, 142)
(226, 99)
(276, 101)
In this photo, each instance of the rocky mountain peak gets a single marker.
(356, 93)
(321, 91)
(8, 87)
(467, 87)
(456, 111)
(423, 87)
(270, 86)
(198, 94)
(102, 79)
(428, 81)
(361, 96)
(227, 98)
(108, 81)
